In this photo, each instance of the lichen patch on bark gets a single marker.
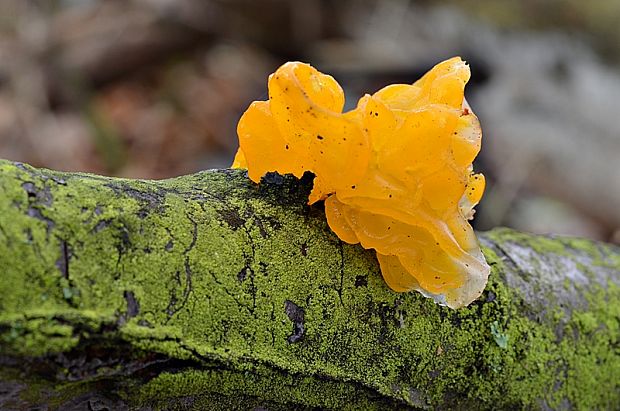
(192, 275)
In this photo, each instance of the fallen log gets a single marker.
(209, 292)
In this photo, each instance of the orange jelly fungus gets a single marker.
(395, 173)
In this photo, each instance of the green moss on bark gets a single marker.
(242, 288)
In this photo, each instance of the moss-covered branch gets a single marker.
(207, 290)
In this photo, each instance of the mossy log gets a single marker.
(210, 292)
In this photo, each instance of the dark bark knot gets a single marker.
(296, 314)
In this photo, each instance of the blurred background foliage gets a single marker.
(154, 88)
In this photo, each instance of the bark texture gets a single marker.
(209, 292)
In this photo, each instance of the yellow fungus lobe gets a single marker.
(395, 173)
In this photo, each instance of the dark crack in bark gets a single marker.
(123, 244)
(261, 228)
(231, 217)
(151, 200)
(235, 221)
(173, 308)
(249, 260)
(101, 224)
(63, 261)
(133, 306)
(36, 213)
(3, 232)
(170, 244)
(38, 198)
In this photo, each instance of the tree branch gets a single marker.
(207, 291)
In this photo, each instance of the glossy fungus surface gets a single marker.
(395, 172)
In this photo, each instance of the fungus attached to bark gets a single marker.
(395, 173)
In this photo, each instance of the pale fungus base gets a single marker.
(395, 173)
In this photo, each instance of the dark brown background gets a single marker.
(154, 88)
